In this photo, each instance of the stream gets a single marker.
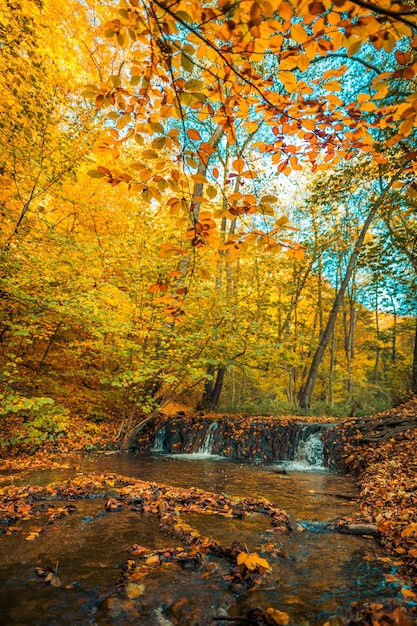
(322, 574)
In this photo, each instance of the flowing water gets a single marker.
(322, 574)
(207, 445)
(308, 455)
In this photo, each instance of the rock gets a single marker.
(358, 529)
(121, 610)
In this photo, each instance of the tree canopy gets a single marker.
(206, 201)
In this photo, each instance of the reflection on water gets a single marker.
(323, 573)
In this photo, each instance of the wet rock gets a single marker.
(121, 610)
(182, 613)
(358, 529)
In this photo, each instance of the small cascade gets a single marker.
(309, 453)
(159, 441)
(299, 445)
(206, 446)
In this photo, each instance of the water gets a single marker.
(207, 445)
(308, 455)
(323, 574)
(158, 445)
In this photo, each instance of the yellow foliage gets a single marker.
(252, 561)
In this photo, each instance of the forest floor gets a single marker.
(385, 467)
(383, 457)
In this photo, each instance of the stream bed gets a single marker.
(321, 575)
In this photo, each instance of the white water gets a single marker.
(158, 444)
(308, 456)
(205, 450)
(206, 447)
(197, 456)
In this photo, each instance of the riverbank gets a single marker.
(386, 468)
(107, 540)
(382, 454)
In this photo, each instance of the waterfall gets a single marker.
(158, 444)
(296, 444)
(206, 446)
(309, 453)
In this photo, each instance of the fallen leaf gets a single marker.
(277, 618)
(134, 590)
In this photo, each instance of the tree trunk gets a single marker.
(414, 375)
(208, 388)
(212, 389)
(377, 334)
(218, 386)
(349, 325)
(394, 335)
(289, 391)
(300, 284)
(331, 369)
(318, 256)
(306, 391)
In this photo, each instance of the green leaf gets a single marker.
(211, 192)
(186, 63)
(156, 127)
(150, 154)
(96, 174)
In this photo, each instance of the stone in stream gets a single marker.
(358, 529)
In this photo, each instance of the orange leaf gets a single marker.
(403, 58)
(298, 33)
(277, 618)
(238, 165)
(193, 134)
(332, 85)
(152, 560)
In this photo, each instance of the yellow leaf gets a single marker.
(251, 561)
(289, 80)
(206, 275)
(368, 106)
(285, 11)
(277, 618)
(407, 126)
(332, 85)
(152, 560)
(166, 250)
(282, 221)
(298, 33)
(276, 42)
(211, 192)
(32, 536)
(134, 590)
(199, 178)
(299, 254)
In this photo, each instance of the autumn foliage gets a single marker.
(185, 187)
